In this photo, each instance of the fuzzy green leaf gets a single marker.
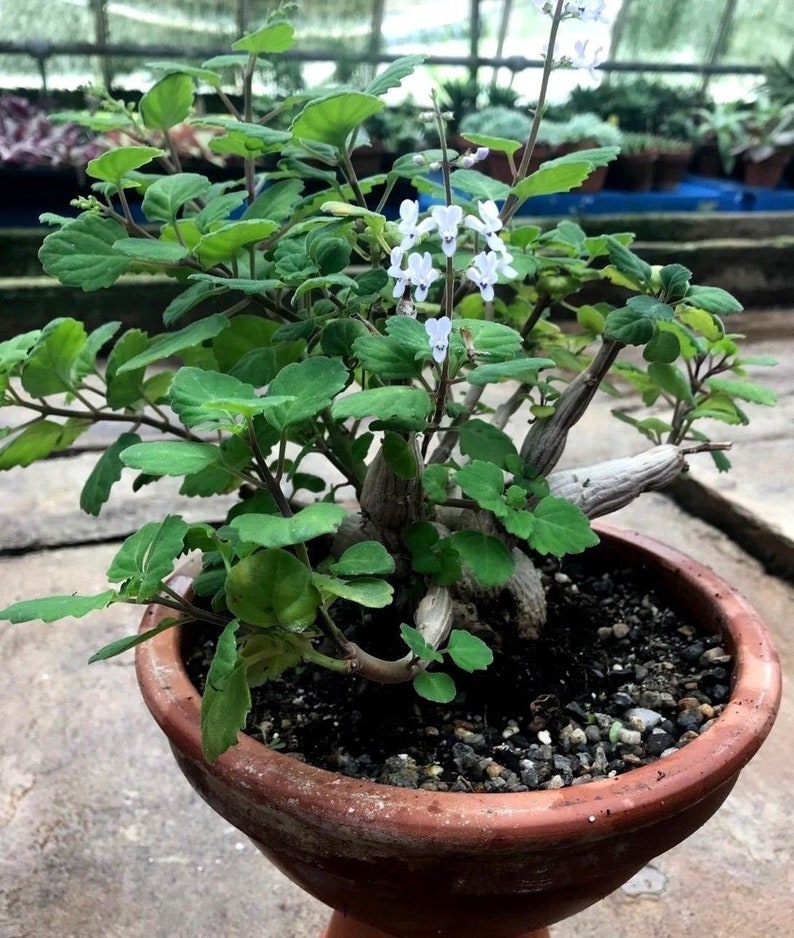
(368, 558)
(166, 196)
(484, 482)
(399, 456)
(226, 242)
(519, 369)
(414, 639)
(560, 528)
(276, 531)
(147, 251)
(712, 300)
(332, 118)
(272, 587)
(393, 74)
(81, 254)
(268, 40)
(366, 591)
(38, 440)
(435, 686)
(213, 400)
(51, 608)
(120, 645)
(313, 383)
(168, 102)
(146, 558)
(227, 697)
(49, 368)
(172, 343)
(481, 440)
(489, 560)
(467, 651)
(744, 390)
(170, 457)
(114, 164)
(402, 403)
(105, 474)
(634, 269)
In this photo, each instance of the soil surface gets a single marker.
(617, 680)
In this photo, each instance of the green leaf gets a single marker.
(226, 242)
(368, 558)
(435, 482)
(105, 474)
(744, 390)
(414, 639)
(675, 280)
(114, 164)
(713, 300)
(400, 353)
(402, 403)
(492, 340)
(340, 334)
(276, 531)
(520, 369)
(560, 528)
(498, 144)
(227, 697)
(481, 440)
(272, 587)
(38, 440)
(626, 326)
(671, 379)
(484, 482)
(313, 383)
(366, 591)
(15, 350)
(50, 366)
(393, 74)
(400, 456)
(168, 102)
(212, 400)
(151, 252)
(664, 347)
(467, 651)
(172, 343)
(146, 558)
(277, 201)
(81, 253)
(121, 645)
(707, 324)
(332, 118)
(200, 74)
(51, 608)
(170, 457)
(636, 270)
(479, 185)
(185, 302)
(268, 40)
(168, 194)
(488, 558)
(552, 178)
(435, 686)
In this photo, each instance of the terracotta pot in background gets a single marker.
(670, 168)
(416, 864)
(632, 172)
(766, 173)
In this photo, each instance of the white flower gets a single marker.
(395, 270)
(588, 11)
(448, 219)
(486, 268)
(438, 331)
(421, 274)
(409, 226)
(488, 224)
(582, 59)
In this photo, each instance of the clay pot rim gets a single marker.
(621, 803)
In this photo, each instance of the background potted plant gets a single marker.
(311, 328)
(634, 168)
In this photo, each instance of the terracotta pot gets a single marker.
(595, 181)
(670, 168)
(768, 172)
(416, 864)
(497, 165)
(632, 172)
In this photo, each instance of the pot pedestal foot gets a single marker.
(341, 926)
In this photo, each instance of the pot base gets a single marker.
(341, 926)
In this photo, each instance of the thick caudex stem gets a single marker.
(433, 619)
(545, 441)
(607, 486)
(390, 502)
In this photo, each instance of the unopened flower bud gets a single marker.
(481, 153)
(435, 166)
(467, 161)
(419, 159)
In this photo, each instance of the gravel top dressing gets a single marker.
(616, 681)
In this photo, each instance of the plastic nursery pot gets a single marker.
(415, 864)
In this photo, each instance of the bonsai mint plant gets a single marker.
(311, 324)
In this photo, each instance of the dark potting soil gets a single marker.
(616, 681)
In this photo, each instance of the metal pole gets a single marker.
(376, 33)
(720, 43)
(474, 40)
(618, 30)
(504, 22)
(102, 33)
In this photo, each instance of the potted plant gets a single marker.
(672, 162)
(765, 142)
(582, 132)
(633, 169)
(503, 128)
(386, 522)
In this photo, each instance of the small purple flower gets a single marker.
(409, 226)
(486, 268)
(438, 331)
(582, 59)
(421, 274)
(448, 219)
